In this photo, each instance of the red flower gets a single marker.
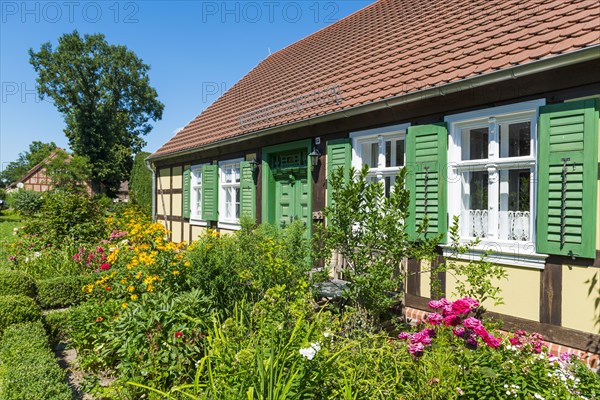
(105, 266)
(178, 334)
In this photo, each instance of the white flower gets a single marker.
(508, 392)
(310, 352)
(506, 386)
(36, 254)
(326, 334)
(539, 396)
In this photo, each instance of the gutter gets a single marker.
(575, 57)
(150, 167)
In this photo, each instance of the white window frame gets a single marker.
(379, 136)
(520, 253)
(196, 183)
(228, 223)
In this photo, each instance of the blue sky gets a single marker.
(196, 50)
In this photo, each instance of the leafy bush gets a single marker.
(68, 218)
(17, 308)
(28, 368)
(159, 338)
(366, 228)
(57, 324)
(140, 183)
(246, 264)
(62, 291)
(27, 202)
(16, 282)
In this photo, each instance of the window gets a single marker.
(229, 188)
(383, 150)
(492, 168)
(196, 192)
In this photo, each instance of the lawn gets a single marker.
(8, 221)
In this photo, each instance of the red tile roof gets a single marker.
(391, 48)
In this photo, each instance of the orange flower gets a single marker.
(99, 319)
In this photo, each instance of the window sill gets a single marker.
(523, 256)
(229, 225)
(198, 222)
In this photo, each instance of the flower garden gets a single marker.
(237, 316)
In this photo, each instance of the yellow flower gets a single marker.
(186, 264)
(124, 305)
(134, 297)
(175, 272)
(123, 281)
(138, 275)
(150, 288)
(130, 289)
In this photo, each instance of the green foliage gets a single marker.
(56, 323)
(28, 369)
(246, 264)
(256, 354)
(16, 283)
(68, 173)
(15, 170)
(27, 202)
(158, 339)
(15, 309)
(474, 278)
(68, 218)
(62, 291)
(104, 93)
(364, 227)
(140, 183)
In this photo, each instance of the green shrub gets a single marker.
(140, 183)
(57, 324)
(244, 265)
(62, 291)
(16, 282)
(69, 218)
(159, 338)
(15, 309)
(27, 202)
(28, 368)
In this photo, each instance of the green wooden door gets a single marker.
(292, 197)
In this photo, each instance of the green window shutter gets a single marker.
(567, 160)
(186, 193)
(247, 190)
(210, 192)
(339, 154)
(426, 160)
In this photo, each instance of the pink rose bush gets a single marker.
(451, 314)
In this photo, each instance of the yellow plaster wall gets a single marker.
(197, 231)
(166, 199)
(177, 178)
(577, 307)
(425, 278)
(165, 179)
(176, 232)
(186, 232)
(520, 292)
(177, 205)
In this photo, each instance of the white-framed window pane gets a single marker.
(370, 154)
(399, 153)
(515, 139)
(475, 143)
(515, 205)
(476, 194)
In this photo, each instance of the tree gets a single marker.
(104, 93)
(140, 183)
(15, 170)
(68, 173)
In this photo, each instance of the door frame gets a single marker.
(268, 192)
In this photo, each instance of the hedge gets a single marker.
(63, 291)
(16, 309)
(28, 368)
(16, 282)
